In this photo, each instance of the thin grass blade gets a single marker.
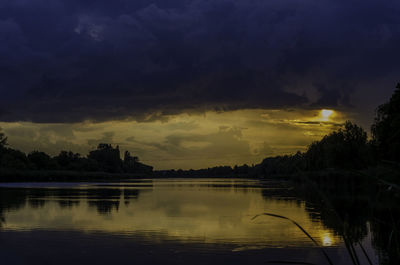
(365, 253)
(290, 262)
(301, 228)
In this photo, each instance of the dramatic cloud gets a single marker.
(185, 141)
(69, 61)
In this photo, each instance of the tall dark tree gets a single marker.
(3, 142)
(130, 162)
(10, 158)
(40, 160)
(3, 139)
(345, 148)
(386, 128)
(107, 157)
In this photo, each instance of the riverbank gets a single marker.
(64, 176)
(388, 175)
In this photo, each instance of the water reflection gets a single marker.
(201, 211)
(205, 211)
(363, 211)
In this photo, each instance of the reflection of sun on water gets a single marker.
(326, 114)
(326, 239)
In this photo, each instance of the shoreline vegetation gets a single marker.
(345, 153)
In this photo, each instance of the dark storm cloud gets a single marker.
(69, 60)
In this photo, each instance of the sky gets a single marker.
(192, 83)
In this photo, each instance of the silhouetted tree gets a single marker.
(107, 157)
(65, 158)
(40, 160)
(386, 128)
(13, 159)
(3, 140)
(345, 148)
(73, 161)
(281, 165)
(130, 162)
(241, 170)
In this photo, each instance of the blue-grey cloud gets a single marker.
(70, 60)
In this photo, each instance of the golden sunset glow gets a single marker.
(186, 141)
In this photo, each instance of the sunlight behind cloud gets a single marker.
(326, 114)
(187, 140)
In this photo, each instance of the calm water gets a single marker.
(196, 221)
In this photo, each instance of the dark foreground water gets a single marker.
(196, 221)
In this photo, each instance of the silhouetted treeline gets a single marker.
(345, 149)
(348, 148)
(220, 171)
(105, 158)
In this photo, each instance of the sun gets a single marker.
(326, 114)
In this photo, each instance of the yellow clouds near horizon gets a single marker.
(186, 140)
